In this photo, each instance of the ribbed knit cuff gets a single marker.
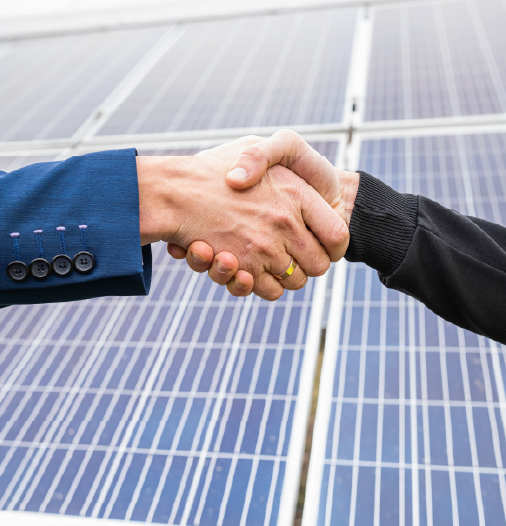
(382, 225)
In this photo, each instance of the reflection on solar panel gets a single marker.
(252, 72)
(173, 408)
(437, 59)
(63, 79)
(415, 407)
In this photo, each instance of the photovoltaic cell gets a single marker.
(438, 59)
(265, 71)
(416, 427)
(63, 79)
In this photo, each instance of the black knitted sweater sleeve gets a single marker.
(454, 264)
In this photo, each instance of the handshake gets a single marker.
(259, 214)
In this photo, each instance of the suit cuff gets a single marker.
(99, 190)
(382, 225)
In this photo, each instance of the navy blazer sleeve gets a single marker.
(48, 205)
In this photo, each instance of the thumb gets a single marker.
(288, 149)
(284, 148)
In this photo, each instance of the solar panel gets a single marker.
(11, 163)
(261, 71)
(411, 428)
(63, 79)
(437, 59)
(328, 149)
(187, 406)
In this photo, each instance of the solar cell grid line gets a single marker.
(16, 368)
(438, 56)
(338, 408)
(20, 435)
(360, 392)
(477, 89)
(405, 61)
(492, 66)
(241, 73)
(471, 429)
(131, 117)
(282, 57)
(216, 409)
(447, 418)
(117, 435)
(138, 432)
(69, 102)
(42, 430)
(67, 400)
(432, 469)
(492, 13)
(226, 415)
(21, 404)
(148, 380)
(58, 437)
(211, 67)
(176, 389)
(429, 96)
(380, 418)
(383, 100)
(49, 418)
(205, 83)
(266, 411)
(313, 71)
(425, 418)
(72, 81)
(195, 385)
(494, 421)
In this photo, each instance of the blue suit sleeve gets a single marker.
(98, 191)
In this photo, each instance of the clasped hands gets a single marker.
(244, 209)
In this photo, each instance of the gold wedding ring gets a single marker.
(289, 270)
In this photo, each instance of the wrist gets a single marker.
(159, 179)
(350, 182)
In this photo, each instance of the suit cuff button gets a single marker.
(40, 268)
(84, 262)
(62, 265)
(17, 271)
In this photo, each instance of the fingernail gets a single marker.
(198, 259)
(239, 174)
(240, 284)
(222, 268)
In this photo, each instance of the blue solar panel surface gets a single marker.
(261, 71)
(175, 408)
(437, 59)
(416, 429)
(53, 84)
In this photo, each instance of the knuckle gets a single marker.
(254, 152)
(272, 295)
(283, 219)
(339, 232)
(301, 283)
(319, 268)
